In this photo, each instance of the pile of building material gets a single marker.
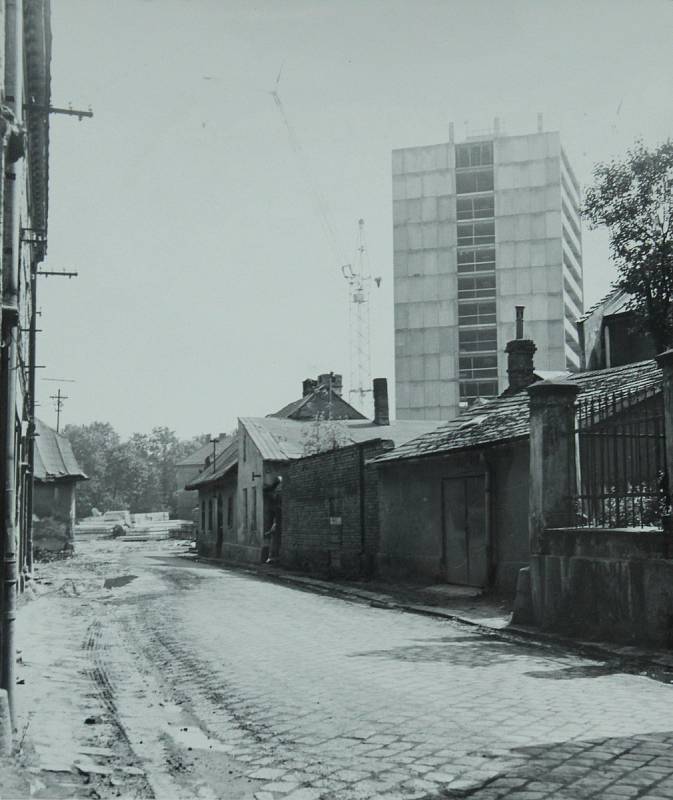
(135, 527)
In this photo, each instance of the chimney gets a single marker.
(496, 126)
(540, 123)
(307, 387)
(381, 415)
(520, 366)
(331, 379)
(451, 133)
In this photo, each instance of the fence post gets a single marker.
(552, 458)
(665, 361)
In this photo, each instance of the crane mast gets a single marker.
(359, 285)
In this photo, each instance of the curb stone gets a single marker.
(657, 665)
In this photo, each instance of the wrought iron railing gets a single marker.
(621, 460)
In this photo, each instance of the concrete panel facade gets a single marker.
(510, 204)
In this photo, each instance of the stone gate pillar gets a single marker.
(665, 361)
(553, 472)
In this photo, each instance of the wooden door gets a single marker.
(464, 547)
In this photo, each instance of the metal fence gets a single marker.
(621, 459)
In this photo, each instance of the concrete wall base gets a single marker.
(6, 742)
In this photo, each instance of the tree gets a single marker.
(633, 199)
(138, 474)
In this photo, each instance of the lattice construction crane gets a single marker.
(359, 283)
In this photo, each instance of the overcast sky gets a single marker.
(207, 287)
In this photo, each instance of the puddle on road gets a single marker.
(121, 580)
(195, 739)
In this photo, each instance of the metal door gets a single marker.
(464, 552)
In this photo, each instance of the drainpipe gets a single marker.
(8, 360)
(32, 355)
(363, 521)
(488, 519)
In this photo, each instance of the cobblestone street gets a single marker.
(145, 672)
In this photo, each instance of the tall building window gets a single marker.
(474, 154)
(471, 390)
(483, 339)
(477, 180)
(476, 286)
(476, 233)
(478, 367)
(482, 260)
(476, 313)
(475, 207)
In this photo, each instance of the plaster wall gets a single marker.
(54, 515)
(410, 511)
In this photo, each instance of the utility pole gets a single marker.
(59, 405)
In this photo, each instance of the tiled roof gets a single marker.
(284, 439)
(54, 459)
(614, 302)
(315, 402)
(507, 418)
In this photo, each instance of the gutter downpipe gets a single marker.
(32, 354)
(363, 524)
(8, 361)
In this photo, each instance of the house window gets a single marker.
(253, 515)
(230, 511)
(245, 507)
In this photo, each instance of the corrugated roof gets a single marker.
(54, 459)
(280, 439)
(507, 418)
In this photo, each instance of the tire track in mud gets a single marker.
(134, 785)
(182, 756)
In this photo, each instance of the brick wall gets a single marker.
(330, 511)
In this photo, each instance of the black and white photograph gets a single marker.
(336, 399)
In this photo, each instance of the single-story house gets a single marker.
(235, 497)
(55, 480)
(454, 502)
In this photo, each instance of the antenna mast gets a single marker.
(359, 284)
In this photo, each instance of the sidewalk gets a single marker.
(491, 615)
